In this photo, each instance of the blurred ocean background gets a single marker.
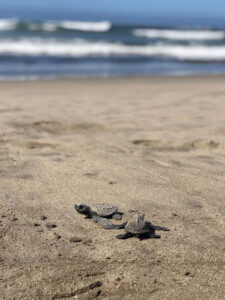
(48, 48)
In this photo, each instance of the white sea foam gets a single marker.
(71, 25)
(8, 24)
(180, 34)
(86, 26)
(82, 48)
(11, 24)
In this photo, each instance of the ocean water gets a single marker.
(68, 48)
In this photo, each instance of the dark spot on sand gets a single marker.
(25, 176)
(91, 174)
(51, 225)
(87, 241)
(14, 219)
(75, 239)
(133, 211)
(98, 293)
(187, 273)
(36, 224)
(58, 236)
(94, 274)
(43, 218)
(36, 145)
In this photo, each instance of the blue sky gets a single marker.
(116, 8)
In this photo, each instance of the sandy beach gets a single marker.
(154, 145)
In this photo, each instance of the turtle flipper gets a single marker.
(117, 216)
(155, 227)
(160, 228)
(121, 226)
(106, 224)
(124, 236)
(152, 235)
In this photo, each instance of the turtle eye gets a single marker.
(81, 206)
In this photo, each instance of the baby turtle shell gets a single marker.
(139, 228)
(104, 210)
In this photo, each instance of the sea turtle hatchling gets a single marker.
(100, 213)
(141, 229)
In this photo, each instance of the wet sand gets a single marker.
(148, 145)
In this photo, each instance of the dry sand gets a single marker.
(153, 145)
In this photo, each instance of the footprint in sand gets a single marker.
(166, 145)
(28, 144)
(7, 109)
(54, 127)
(43, 148)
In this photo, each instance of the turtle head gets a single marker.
(139, 218)
(83, 209)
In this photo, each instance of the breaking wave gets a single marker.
(71, 25)
(180, 34)
(50, 48)
(86, 26)
(82, 48)
(13, 24)
(8, 24)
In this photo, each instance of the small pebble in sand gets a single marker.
(43, 218)
(75, 239)
(132, 211)
(58, 236)
(51, 225)
(98, 293)
(36, 224)
(174, 215)
(14, 219)
(187, 273)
